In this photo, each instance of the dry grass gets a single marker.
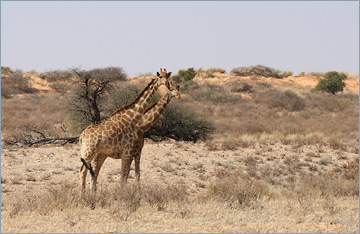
(119, 202)
(254, 113)
(270, 166)
(214, 191)
(42, 112)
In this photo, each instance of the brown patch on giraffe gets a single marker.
(131, 114)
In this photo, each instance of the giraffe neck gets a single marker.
(137, 108)
(144, 98)
(154, 112)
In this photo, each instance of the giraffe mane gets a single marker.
(134, 102)
(154, 104)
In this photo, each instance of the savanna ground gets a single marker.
(281, 159)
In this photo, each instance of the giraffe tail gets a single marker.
(89, 167)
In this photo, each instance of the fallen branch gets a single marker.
(54, 140)
(31, 136)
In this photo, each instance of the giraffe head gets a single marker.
(174, 90)
(165, 75)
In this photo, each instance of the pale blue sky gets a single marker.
(144, 36)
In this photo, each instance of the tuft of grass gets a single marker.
(237, 191)
(335, 144)
(30, 178)
(160, 195)
(167, 167)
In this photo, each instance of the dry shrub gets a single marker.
(335, 144)
(229, 144)
(57, 75)
(316, 74)
(42, 112)
(60, 87)
(118, 201)
(326, 102)
(254, 127)
(331, 183)
(160, 195)
(212, 146)
(221, 172)
(215, 69)
(215, 94)
(237, 191)
(287, 100)
(237, 87)
(352, 170)
(51, 199)
(260, 70)
(15, 83)
(314, 139)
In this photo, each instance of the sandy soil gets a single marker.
(298, 82)
(25, 171)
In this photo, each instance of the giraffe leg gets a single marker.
(137, 169)
(125, 169)
(98, 162)
(137, 161)
(137, 166)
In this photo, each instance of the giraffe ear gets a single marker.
(158, 74)
(168, 75)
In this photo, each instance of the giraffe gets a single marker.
(116, 135)
(150, 116)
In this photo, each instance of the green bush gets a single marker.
(332, 82)
(185, 75)
(6, 70)
(180, 123)
(260, 70)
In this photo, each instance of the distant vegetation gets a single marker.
(99, 92)
(5, 70)
(316, 74)
(56, 75)
(86, 103)
(239, 111)
(185, 75)
(260, 70)
(180, 123)
(332, 82)
(216, 69)
(15, 83)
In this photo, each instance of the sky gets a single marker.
(142, 37)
